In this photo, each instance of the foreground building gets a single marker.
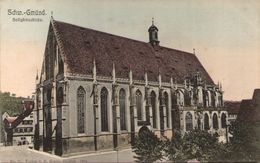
(19, 129)
(23, 134)
(96, 90)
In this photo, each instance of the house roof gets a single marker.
(256, 96)
(250, 108)
(233, 107)
(82, 45)
(10, 119)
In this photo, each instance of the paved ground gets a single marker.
(24, 154)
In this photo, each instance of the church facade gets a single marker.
(96, 90)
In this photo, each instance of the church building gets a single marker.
(96, 90)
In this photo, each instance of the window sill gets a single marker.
(82, 134)
(104, 132)
(124, 131)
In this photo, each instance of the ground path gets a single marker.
(24, 154)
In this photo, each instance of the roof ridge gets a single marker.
(76, 41)
(58, 38)
(124, 37)
(102, 32)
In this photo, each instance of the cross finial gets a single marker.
(193, 50)
(152, 20)
(51, 13)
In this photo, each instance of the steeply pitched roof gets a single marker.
(10, 119)
(82, 45)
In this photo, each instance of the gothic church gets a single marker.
(96, 90)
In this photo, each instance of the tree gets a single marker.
(200, 145)
(245, 141)
(148, 147)
(174, 148)
(10, 103)
(196, 144)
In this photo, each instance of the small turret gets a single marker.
(153, 34)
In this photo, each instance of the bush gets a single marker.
(196, 144)
(200, 145)
(148, 147)
(245, 145)
(174, 148)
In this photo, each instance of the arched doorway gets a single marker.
(143, 131)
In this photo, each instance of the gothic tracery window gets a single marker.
(104, 109)
(205, 98)
(215, 121)
(153, 103)
(81, 108)
(206, 122)
(189, 121)
(139, 104)
(122, 109)
(223, 121)
(212, 99)
(167, 109)
(187, 98)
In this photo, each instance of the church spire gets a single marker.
(153, 34)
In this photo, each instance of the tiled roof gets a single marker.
(250, 109)
(233, 107)
(10, 119)
(82, 45)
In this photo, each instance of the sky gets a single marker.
(225, 34)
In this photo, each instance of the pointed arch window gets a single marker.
(122, 109)
(139, 104)
(212, 99)
(206, 122)
(167, 109)
(153, 103)
(187, 98)
(189, 121)
(81, 108)
(215, 121)
(61, 66)
(205, 98)
(223, 121)
(104, 109)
